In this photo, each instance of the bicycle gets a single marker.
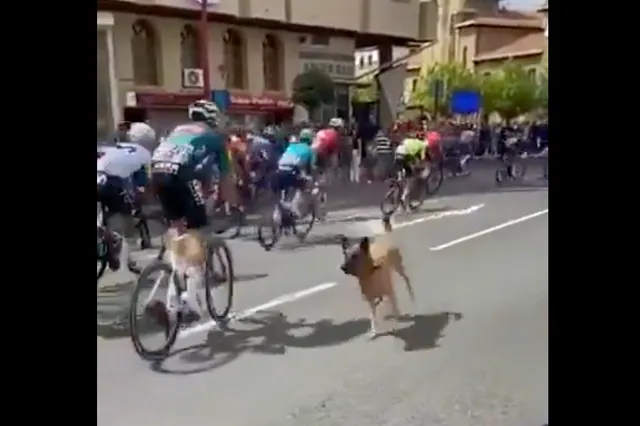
(283, 220)
(104, 249)
(215, 247)
(511, 168)
(421, 189)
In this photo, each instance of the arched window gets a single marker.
(272, 60)
(234, 54)
(189, 47)
(144, 49)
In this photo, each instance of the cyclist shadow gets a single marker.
(270, 333)
(113, 310)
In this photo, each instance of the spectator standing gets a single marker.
(383, 154)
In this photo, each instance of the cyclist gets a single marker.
(121, 175)
(181, 164)
(294, 169)
(410, 155)
(325, 144)
(262, 158)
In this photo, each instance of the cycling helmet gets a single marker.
(204, 110)
(306, 135)
(336, 122)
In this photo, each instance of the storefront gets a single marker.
(340, 68)
(165, 110)
(107, 97)
(257, 111)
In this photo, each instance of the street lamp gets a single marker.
(204, 52)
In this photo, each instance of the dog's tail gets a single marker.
(386, 223)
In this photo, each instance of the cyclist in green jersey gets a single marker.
(410, 155)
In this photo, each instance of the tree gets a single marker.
(450, 77)
(543, 90)
(510, 92)
(312, 89)
(365, 91)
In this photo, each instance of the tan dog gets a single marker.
(372, 263)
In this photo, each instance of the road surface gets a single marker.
(471, 350)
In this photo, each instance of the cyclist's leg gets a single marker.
(190, 248)
(174, 196)
(302, 197)
(114, 198)
(228, 190)
(407, 165)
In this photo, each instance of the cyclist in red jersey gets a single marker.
(434, 147)
(326, 144)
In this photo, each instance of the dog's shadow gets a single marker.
(425, 331)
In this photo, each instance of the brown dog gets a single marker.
(372, 263)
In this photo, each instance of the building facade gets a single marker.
(486, 44)
(255, 48)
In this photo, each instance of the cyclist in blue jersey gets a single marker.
(294, 167)
(183, 161)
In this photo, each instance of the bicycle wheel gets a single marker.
(392, 196)
(434, 180)
(299, 229)
(154, 313)
(145, 233)
(270, 230)
(518, 169)
(219, 250)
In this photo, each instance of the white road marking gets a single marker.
(440, 215)
(291, 297)
(263, 307)
(489, 230)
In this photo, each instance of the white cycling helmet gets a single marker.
(336, 122)
(204, 110)
(142, 134)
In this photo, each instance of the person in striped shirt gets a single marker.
(383, 150)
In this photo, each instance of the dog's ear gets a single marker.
(344, 243)
(364, 244)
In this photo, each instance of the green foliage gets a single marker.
(365, 91)
(543, 90)
(510, 92)
(452, 76)
(313, 88)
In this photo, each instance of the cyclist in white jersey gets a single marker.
(121, 168)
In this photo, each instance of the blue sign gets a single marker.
(221, 98)
(465, 102)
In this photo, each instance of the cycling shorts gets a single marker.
(405, 162)
(181, 196)
(114, 193)
(288, 178)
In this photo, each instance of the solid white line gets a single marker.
(489, 230)
(291, 297)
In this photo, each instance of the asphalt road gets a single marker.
(471, 350)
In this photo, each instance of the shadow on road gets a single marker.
(114, 304)
(425, 330)
(271, 333)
